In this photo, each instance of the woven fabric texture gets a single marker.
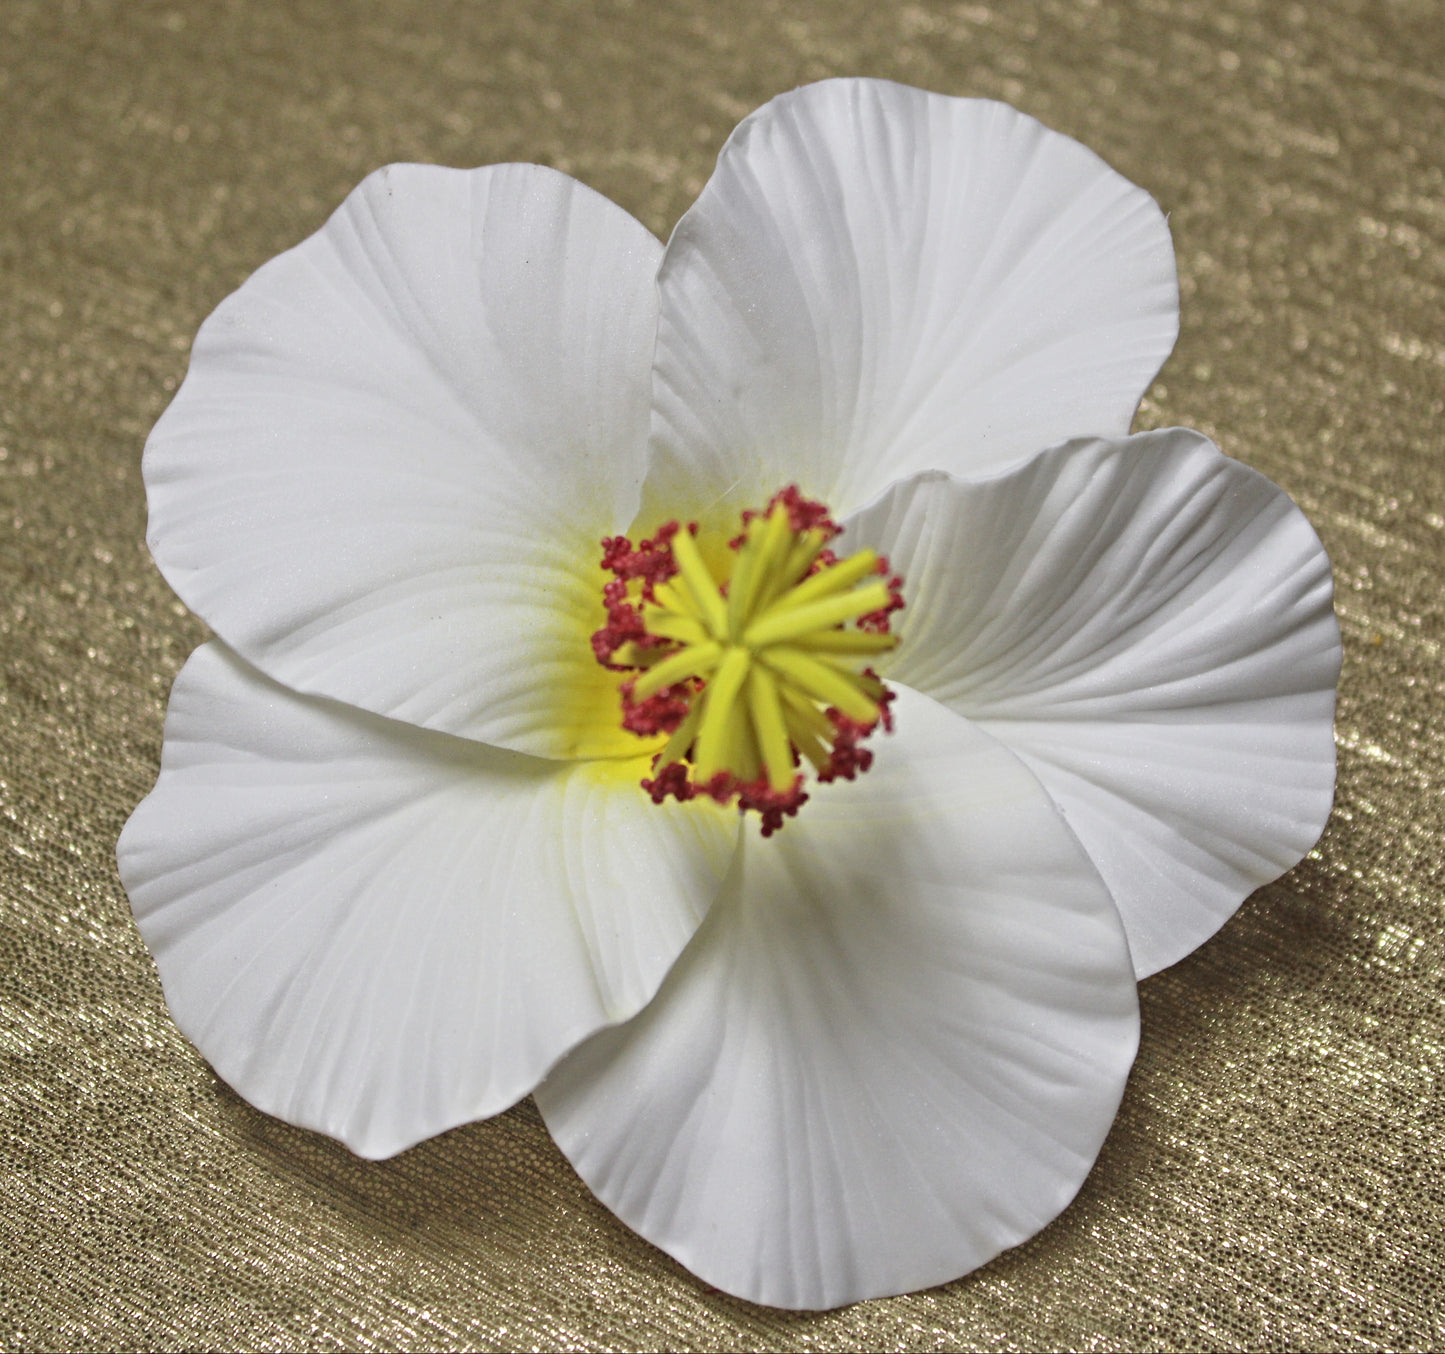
(1274, 1179)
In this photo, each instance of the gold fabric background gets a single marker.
(1275, 1177)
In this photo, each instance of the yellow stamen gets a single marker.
(807, 727)
(719, 698)
(846, 641)
(758, 645)
(785, 622)
(696, 660)
(821, 681)
(774, 554)
(676, 747)
(673, 625)
(803, 713)
(834, 578)
(766, 708)
(709, 606)
(741, 587)
(809, 547)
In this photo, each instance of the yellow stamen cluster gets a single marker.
(771, 649)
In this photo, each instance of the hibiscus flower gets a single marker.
(820, 1029)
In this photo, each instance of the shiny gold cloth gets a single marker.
(1276, 1178)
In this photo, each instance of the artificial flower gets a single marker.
(822, 1030)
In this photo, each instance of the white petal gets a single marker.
(1149, 625)
(380, 932)
(892, 1050)
(878, 280)
(387, 473)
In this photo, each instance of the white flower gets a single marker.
(397, 871)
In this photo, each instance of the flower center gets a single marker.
(752, 657)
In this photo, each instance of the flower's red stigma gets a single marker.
(754, 663)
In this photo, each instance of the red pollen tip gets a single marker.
(772, 805)
(671, 780)
(650, 562)
(877, 621)
(660, 713)
(884, 701)
(847, 760)
(720, 788)
(804, 514)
